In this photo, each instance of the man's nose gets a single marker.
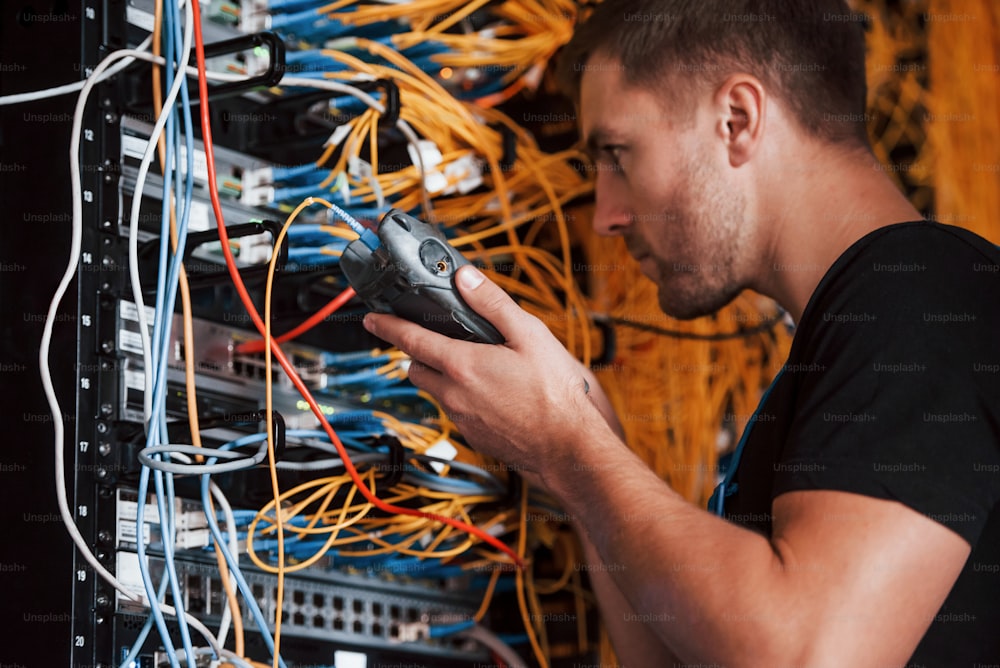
(612, 213)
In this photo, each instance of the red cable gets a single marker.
(316, 318)
(206, 131)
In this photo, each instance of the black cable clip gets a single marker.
(511, 497)
(390, 98)
(178, 430)
(278, 425)
(396, 465)
(508, 140)
(198, 279)
(270, 77)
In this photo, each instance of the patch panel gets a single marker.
(230, 169)
(329, 606)
(222, 370)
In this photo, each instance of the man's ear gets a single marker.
(740, 105)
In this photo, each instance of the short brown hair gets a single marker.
(808, 53)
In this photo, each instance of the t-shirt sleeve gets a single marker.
(907, 406)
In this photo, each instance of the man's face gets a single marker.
(664, 184)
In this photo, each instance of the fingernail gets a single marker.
(368, 323)
(471, 278)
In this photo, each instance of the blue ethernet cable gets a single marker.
(351, 359)
(152, 431)
(364, 377)
(234, 567)
(297, 193)
(283, 6)
(165, 297)
(310, 234)
(162, 337)
(155, 611)
(311, 258)
(165, 506)
(405, 392)
(307, 22)
(281, 174)
(129, 660)
(444, 630)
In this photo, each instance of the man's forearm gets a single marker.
(700, 583)
(636, 645)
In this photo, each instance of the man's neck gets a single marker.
(819, 216)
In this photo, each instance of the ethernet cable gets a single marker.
(133, 242)
(165, 160)
(66, 89)
(154, 362)
(227, 513)
(234, 567)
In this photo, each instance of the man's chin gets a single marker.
(683, 306)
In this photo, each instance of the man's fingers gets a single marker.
(488, 300)
(424, 345)
(426, 378)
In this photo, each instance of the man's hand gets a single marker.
(524, 402)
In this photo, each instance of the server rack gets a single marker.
(97, 363)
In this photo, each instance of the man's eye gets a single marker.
(614, 153)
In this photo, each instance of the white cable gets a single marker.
(235, 659)
(229, 655)
(45, 371)
(65, 89)
(492, 641)
(234, 549)
(133, 230)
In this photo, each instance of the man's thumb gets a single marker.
(490, 301)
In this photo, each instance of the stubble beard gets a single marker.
(707, 223)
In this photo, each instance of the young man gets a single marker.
(862, 525)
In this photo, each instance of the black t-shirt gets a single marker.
(892, 390)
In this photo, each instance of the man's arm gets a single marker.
(636, 644)
(845, 579)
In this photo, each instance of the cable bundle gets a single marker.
(480, 50)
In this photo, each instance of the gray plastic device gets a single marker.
(411, 273)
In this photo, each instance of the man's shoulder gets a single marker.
(937, 243)
(921, 263)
